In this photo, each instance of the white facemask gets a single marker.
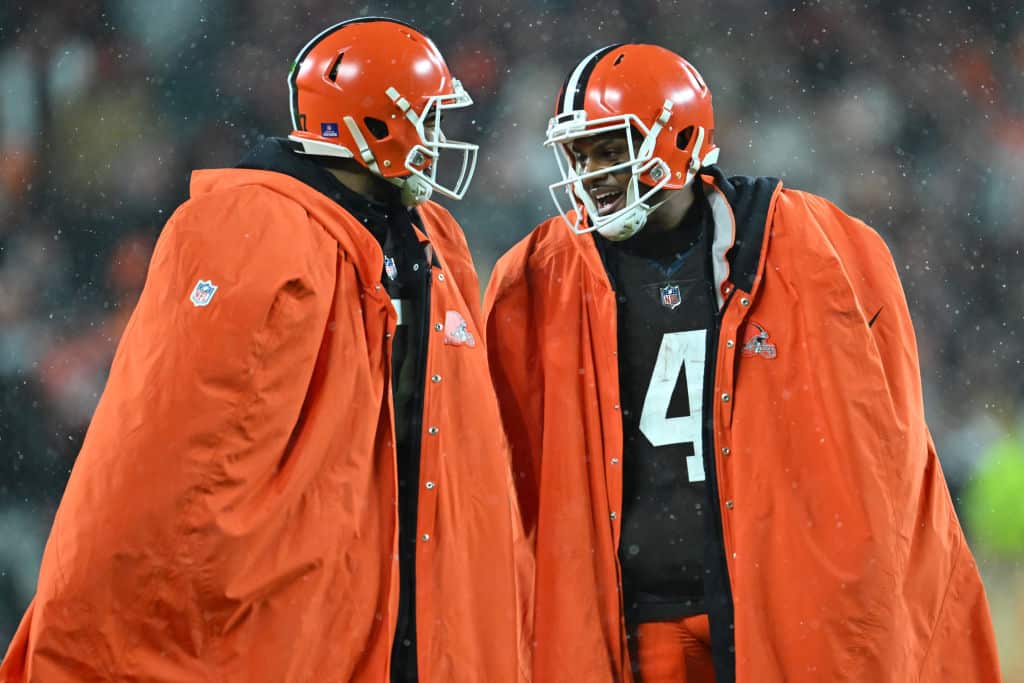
(424, 158)
(631, 218)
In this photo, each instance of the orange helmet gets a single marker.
(649, 93)
(374, 90)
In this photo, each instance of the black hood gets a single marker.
(280, 155)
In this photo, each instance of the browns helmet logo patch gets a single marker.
(755, 342)
(456, 331)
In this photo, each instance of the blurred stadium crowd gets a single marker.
(909, 115)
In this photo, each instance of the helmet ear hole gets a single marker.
(377, 128)
(684, 136)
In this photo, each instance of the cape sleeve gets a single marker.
(922, 509)
(517, 374)
(186, 445)
(881, 303)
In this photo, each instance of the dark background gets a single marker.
(909, 115)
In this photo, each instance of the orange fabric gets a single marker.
(675, 651)
(232, 514)
(846, 560)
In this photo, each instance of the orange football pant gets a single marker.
(675, 651)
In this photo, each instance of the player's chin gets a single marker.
(618, 231)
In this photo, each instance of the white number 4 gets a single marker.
(680, 351)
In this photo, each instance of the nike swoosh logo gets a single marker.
(875, 317)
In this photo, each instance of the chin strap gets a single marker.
(365, 153)
(629, 224)
(415, 190)
(647, 147)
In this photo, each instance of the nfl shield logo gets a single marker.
(329, 130)
(203, 293)
(670, 296)
(390, 268)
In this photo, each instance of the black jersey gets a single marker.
(664, 314)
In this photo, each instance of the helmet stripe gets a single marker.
(575, 88)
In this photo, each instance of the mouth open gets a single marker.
(608, 199)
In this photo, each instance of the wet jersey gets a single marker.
(664, 313)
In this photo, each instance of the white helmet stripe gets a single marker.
(574, 80)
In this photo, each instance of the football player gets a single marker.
(712, 390)
(297, 470)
